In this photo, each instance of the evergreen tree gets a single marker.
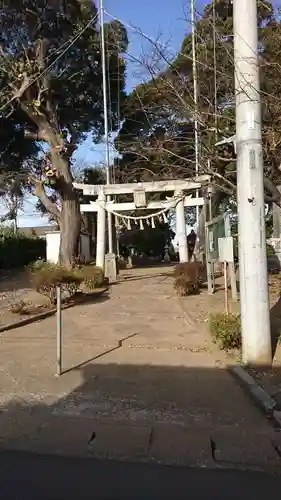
(51, 96)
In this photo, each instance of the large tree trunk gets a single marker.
(58, 156)
(70, 216)
(70, 227)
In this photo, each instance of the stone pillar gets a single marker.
(101, 223)
(181, 229)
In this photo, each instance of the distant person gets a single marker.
(191, 240)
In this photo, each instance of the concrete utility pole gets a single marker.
(256, 337)
(106, 132)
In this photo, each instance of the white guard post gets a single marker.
(100, 250)
(181, 228)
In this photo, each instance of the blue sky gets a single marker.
(152, 17)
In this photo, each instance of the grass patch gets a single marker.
(226, 330)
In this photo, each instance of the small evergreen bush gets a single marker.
(226, 330)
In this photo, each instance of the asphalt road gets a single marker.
(50, 478)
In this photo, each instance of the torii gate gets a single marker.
(182, 198)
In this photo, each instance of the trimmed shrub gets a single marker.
(181, 269)
(226, 330)
(46, 277)
(20, 250)
(92, 277)
(182, 287)
(189, 277)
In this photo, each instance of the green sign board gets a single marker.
(215, 229)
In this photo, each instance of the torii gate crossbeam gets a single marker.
(179, 187)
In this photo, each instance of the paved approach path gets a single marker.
(143, 382)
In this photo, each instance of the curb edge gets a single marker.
(261, 397)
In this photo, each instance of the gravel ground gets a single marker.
(15, 287)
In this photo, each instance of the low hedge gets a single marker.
(20, 250)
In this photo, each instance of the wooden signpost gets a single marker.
(226, 255)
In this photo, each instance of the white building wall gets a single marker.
(53, 247)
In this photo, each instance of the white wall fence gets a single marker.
(53, 247)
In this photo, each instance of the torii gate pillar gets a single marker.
(101, 220)
(181, 229)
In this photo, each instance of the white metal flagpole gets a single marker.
(195, 98)
(106, 131)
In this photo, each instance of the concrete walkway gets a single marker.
(143, 382)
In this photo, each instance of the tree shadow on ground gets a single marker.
(151, 264)
(131, 277)
(143, 413)
(95, 297)
(218, 287)
(118, 346)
